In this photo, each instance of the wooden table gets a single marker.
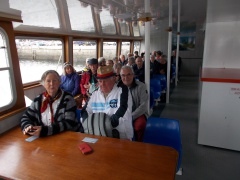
(58, 157)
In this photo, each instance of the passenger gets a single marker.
(140, 101)
(117, 68)
(154, 66)
(114, 100)
(88, 82)
(131, 61)
(154, 53)
(115, 60)
(139, 70)
(123, 61)
(70, 80)
(163, 65)
(129, 55)
(136, 54)
(51, 112)
(109, 62)
(86, 68)
(101, 61)
(158, 56)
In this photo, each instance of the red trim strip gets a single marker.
(225, 75)
(104, 75)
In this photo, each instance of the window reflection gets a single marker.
(136, 46)
(77, 11)
(42, 13)
(124, 29)
(135, 28)
(107, 22)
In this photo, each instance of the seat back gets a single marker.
(166, 132)
(151, 98)
(78, 115)
(163, 80)
(155, 86)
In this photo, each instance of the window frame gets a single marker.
(18, 102)
(10, 70)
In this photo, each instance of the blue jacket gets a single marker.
(70, 83)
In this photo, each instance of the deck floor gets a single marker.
(199, 162)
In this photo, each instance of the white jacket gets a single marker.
(118, 103)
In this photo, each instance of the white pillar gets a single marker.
(147, 51)
(169, 50)
(178, 41)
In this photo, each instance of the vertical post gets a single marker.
(147, 52)
(169, 50)
(178, 41)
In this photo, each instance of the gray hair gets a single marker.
(101, 59)
(45, 74)
(127, 67)
(65, 65)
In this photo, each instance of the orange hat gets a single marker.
(104, 72)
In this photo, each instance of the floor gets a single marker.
(199, 162)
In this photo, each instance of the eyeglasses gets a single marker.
(126, 75)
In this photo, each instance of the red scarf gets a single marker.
(49, 100)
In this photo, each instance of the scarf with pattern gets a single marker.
(49, 100)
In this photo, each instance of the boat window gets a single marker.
(137, 46)
(109, 49)
(135, 28)
(77, 11)
(82, 50)
(7, 88)
(124, 28)
(125, 48)
(107, 21)
(36, 13)
(38, 55)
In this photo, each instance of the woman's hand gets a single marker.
(86, 86)
(32, 130)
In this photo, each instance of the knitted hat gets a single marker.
(67, 64)
(92, 61)
(104, 72)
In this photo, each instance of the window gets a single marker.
(7, 87)
(109, 49)
(137, 47)
(38, 55)
(107, 22)
(135, 28)
(36, 13)
(125, 48)
(124, 28)
(81, 51)
(77, 10)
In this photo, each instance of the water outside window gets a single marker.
(37, 55)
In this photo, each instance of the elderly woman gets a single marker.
(70, 80)
(51, 112)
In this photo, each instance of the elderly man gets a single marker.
(114, 100)
(140, 101)
(139, 69)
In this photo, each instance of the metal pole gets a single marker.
(147, 52)
(178, 41)
(169, 50)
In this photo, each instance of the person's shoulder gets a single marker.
(140, 84)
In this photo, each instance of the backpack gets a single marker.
(99, 124)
